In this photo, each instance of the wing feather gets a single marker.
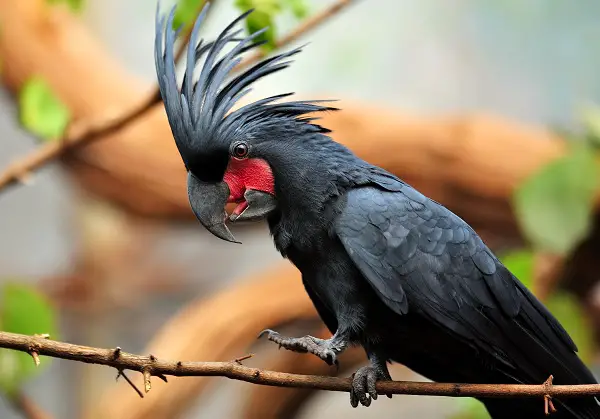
(418, 256)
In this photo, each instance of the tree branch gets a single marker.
(21, 169)
(304, 27)
(152, 366)
(27, 407)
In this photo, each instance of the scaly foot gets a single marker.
(327, 350)
(363, 384)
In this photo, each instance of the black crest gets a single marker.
(199, 111)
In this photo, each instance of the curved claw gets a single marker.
(268, 332)
(364, 386)
(330, 358)
(353, 397)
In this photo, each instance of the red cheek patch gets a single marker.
(248, 174)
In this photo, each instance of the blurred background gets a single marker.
(487, 107)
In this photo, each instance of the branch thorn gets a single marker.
(36, 358)
(121, 373)
(548, 405)
(242, 358)
(147, 382)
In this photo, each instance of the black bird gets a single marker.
(386, 267)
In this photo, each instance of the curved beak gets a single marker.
(208, 200)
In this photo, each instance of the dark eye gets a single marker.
(240, 150)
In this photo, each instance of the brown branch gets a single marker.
(121, 373)
(548, 404)
(20, 170)
(279, 402)
(151, 366)
(303, 28)
(244, 311)
(27, 407)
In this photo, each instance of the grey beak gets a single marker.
(208, 200)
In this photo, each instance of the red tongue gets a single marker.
(240, 208)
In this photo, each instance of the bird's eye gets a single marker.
(240, 150)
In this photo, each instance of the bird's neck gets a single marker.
(306, 192)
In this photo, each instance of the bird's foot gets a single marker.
(327, 350)
(363, 384)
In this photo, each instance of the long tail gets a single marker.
(547, 347)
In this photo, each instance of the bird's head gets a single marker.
(228, 155)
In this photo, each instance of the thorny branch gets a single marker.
(20, 170)
(151, 366)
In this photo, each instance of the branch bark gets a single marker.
(151, 366)
(277, 402)
(196, 333)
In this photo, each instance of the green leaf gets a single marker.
(554, 206)
(74, 5)
(263, 16)
(41, 111)
(186, 12)
(270, 7)
(24, 310)
(590, 118)
(520, 263)
(298, 7)
(259, 20)
(470, 408)
(11, 374)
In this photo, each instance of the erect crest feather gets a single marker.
(198, 111)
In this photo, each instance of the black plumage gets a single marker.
(199, 113)
(386, 267)
(458, 290)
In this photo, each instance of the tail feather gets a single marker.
(541, 347)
